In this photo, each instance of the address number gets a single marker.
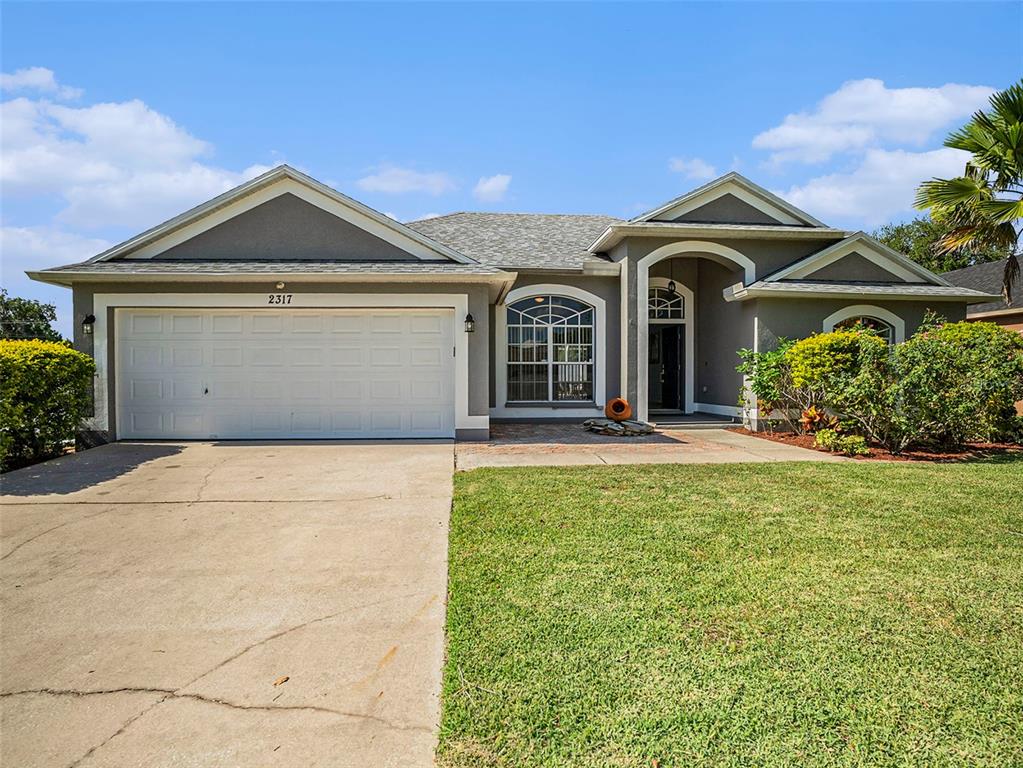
(278, 298)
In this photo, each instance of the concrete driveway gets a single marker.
(224, 604)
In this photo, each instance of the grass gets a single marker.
(736, 615)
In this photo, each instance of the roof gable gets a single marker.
(859, 246)
(280, 181)
(285, 228)
(739, 187)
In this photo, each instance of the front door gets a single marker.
(665, 373)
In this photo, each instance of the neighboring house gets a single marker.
(284, 309)
(987, 278)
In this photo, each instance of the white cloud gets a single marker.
(879, 189)
(32, 248)
(38, 79)
(864, 114)
(491, 189)
(392, 179)
(693, 168)
(113, 164)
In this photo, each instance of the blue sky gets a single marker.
(116, 117)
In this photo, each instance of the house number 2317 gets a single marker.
(278, 298)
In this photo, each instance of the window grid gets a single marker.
(550, 350)
(664, 305)
(878, 326)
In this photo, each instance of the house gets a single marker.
(284, 309)
(987, 278)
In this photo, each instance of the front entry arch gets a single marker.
(695, 248)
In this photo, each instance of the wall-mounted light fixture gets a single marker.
(470, 323)
(279, 286)
(87, 323)
(671, 287)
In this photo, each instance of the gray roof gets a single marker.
(519, 240)
(924, 290)
(987, 278)
(194, 266)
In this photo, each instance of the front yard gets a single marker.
(736, 615)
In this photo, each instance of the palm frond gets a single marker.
(1010, 276)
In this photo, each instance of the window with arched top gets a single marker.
(550, 350)
(666, 304)
(877, 325)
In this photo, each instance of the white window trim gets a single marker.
(458, 302)
(867, 310)
(501, 409)
(697, 248)
(689, 321)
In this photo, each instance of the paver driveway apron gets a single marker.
(225, 604)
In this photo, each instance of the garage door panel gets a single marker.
(281, 373)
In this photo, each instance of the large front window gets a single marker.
(550, 350)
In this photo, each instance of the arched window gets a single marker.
(878, 326)
(550, 350)
(665, 304)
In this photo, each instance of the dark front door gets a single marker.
(666, 374)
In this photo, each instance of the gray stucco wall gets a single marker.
(604, 287)
(727, 209)
(478, 299)
(855, 267)
(798, 318)
(284, 228)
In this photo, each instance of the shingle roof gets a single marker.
(193, 266)
(987, 278)
(812, 287)
(519, 240)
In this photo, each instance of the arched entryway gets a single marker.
(694, 249)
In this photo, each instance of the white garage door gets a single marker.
(273, 374)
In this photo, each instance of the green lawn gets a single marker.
(736, 615)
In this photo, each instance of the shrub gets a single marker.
(45, 392)
(948, 384)
(851, 445)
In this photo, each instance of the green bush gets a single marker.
(850, 445)
(948, 384)
(45, 392)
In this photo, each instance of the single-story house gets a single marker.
(987, 278)
(285, 309)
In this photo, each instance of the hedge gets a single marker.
(45, 393)
(949, 384)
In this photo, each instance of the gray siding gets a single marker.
(727, 209)
(286, 228)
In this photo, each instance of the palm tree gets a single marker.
(984, 206)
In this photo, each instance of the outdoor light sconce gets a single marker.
(470, 323)
(671, 287)
(87, 323)
(279, 286)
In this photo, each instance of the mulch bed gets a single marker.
(971, 452)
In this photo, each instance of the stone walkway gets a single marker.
(522, 445)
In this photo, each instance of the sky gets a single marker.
(116, 117)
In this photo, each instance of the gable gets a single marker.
(861, 250)
(744, 199)
(283, 180)
(285, 228)
(727, 209)
(855, 267)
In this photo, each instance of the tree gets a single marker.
(984, 206)
(26, 319)
(919, 239)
